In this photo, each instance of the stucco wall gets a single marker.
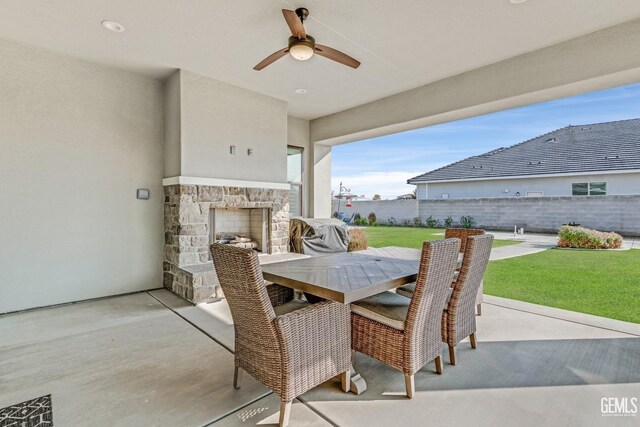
(172, 126)
(298, 136)
(215, 115)
(617, 184)
(77, 140)
(321, 181)
(543, 214)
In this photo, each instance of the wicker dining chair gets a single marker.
(290, 348)
(459, 318)
(406, 333)
(279, 294)
(463, 234)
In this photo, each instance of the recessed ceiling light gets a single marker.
(113, 26)
(517, 1)
(301, 91)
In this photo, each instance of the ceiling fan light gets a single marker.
(301, 52)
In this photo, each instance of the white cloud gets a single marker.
(388, 185)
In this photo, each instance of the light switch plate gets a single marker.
(143, 193)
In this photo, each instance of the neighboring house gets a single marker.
(596, 159)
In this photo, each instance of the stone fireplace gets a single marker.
(195, 214)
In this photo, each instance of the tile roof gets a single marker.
(610, 146)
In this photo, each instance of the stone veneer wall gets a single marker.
(186, 224)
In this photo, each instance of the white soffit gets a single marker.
(402, 45)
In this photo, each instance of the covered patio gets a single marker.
(150, 358)
(135, 135)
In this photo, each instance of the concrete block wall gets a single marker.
(536, 214)
(542, 214)
(384, 209)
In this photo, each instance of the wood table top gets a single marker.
(348, 276)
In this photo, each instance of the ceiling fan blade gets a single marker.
(271, 58)
(294, 23)
(337, 56)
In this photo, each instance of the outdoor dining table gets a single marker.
(347, 277)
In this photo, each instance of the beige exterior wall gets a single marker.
(617, 184)
(77, 140)
(298, 136)
(215, 115)
(172, 126)
(321, 181)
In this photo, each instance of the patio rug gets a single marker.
(32, 413)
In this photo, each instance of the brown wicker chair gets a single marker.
(279, 294)
(458, 318)
(463, 234)
(290, 348)
(406, 333)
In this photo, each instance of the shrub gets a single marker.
(466, 221)
(448, 222)
(431, 222)
(406, 223)
(373, 221)
(584, 238)
(358, 220)
(361, 221)
(417, 221)
(357, 240)
(392, 222)
(334, 215)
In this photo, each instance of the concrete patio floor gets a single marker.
(153, 359)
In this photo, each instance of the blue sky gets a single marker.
(382, 165)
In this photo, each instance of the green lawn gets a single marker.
(603, 283)
(411, 237)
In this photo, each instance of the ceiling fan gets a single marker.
(302, 46)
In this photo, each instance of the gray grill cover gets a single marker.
(314, 236)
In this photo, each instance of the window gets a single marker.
(589, 189)
(580, 189)
(445, 195)
(597, 188)
(294, 178)
(535, 194)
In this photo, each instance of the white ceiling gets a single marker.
(401, 44)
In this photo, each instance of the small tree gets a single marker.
(376, 197)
